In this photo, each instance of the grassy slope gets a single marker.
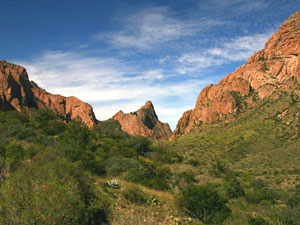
(260, 145)
(258, 142)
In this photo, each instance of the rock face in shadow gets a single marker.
(18, 93)
(274, 68)
(15, 88)
(144, 122)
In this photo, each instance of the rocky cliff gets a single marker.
(15, 88)
(144, 122)
(18, 93)
(274, 68)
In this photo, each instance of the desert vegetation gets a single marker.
(246, 172)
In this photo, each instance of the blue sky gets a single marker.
(119, 54)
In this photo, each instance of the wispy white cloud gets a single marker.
(70, 69)
(125, 80)
(109, 84)
(237, 49)
(239, 6)
(241, 48)
(190, 63)
(155, 74)
(151, 27)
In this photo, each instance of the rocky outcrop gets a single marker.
(18, 93)
(276, 67)
(67, 108)
(15, 88)
(144, 122)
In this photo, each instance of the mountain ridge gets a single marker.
(17, 92)
(268, 70)
(276, 67)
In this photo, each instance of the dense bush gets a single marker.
(110, 128)
(162, 154)
(294, 200)
(48, 190)
(75, 140)
(20, 131)
(205, 204)
(150, 175)
(233, 188)
(193, 162)
(116, 166)
(12, 154)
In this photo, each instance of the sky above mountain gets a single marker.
(119, 54)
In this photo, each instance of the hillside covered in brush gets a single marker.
(234, 159)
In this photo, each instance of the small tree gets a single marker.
(205, 204)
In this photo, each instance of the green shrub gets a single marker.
(264, 68)
(188, 177)
(234, 189)
(141, 145)
(193, 162)
(21, 132)
(53, 127)
(125, 151)
(238, 100)
(48, 190)
(160, 153)
(258, 184)
(170, 157)
(32, 149)
(257, 221)
(14, 152)
(134, 195)
(116, 166)
(218, 169)
(205, 204)
(110, 128)
(264, 220)
(294, 200)
(41, 117)
(75, 140)
(150, 175)
(256, 196)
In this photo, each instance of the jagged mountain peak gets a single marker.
(143, 122)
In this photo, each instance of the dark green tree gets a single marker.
(205, 204)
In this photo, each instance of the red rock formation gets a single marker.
(18, 93)
(15, 88)
(143, 122)
(276, 67)
(67, 108)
